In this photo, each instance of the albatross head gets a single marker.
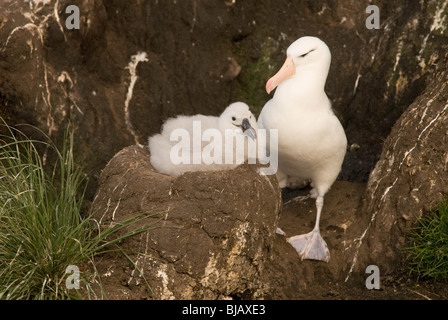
(307, 56)
(238, 115)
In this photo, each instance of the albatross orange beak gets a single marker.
(287, 70)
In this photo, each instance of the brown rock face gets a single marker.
(212, 237)
(410, 178)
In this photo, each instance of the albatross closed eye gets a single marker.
(305, 54)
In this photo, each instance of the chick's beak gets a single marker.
(248, 130)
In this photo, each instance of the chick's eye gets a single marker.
(233, 118)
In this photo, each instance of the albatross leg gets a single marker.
(311, 245)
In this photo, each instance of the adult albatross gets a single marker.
(311, 140)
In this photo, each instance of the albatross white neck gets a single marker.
(305, 90)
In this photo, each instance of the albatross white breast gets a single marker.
(311, 140)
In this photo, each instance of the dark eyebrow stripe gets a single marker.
(303, 55)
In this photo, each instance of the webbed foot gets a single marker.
(310, 246)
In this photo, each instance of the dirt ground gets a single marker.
(341, 201)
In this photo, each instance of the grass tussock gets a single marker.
(42, 230)
(428, 254)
